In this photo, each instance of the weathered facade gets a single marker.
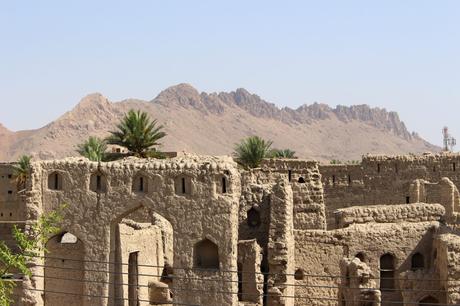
(198, 230)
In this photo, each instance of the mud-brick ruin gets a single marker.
(198, 230)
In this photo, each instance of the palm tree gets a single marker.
(283, 153)
(250, 151)
(94, 149)
(137, 133)
(21, 171)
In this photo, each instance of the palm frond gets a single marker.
(251, 150)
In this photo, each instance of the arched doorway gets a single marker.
(140, 252)
(64, 270)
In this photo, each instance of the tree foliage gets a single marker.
(93, 148)
(251, 150)
(21, 171)
(30, 244)
(283, 153)
(137, 132)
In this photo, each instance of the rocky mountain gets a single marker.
(211, 123)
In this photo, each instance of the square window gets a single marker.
(10, 191)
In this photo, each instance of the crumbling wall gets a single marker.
(203, 212)
(250, 277)
(281, 246)
(383, 179)
(145, 240)
(12, 206)
(317, 258)
(447, 260)
(417, 212)
(305, 180)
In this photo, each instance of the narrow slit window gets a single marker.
(407, 200)
(141, 184)
(98, 182)
(289, 175)
(56, 181)
(224, 185)
(349, 179)
(378, 168)
(183, 184)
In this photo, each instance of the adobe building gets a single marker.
(199, 230)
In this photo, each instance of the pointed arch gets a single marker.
(206, 254)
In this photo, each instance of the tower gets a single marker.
(448, 141)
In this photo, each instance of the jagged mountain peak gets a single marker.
(211, 123)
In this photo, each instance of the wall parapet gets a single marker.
(415, 212)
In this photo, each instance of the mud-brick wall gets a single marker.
(447, 250)
(383, 179)
(184, 191)
(305, 179)
(12, 207)
(343, 187)
(317, 254)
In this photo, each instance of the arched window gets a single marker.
(301, 180)
(55, 181)
(417, 261)
(428, 301)
(206, 255)
(140, 184)
(98, 182)
(361, 256)
(387, 272)
(68, 238)
(253, 217)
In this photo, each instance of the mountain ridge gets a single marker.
(206, 122)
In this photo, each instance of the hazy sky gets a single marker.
(400, 55)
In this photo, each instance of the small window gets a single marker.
(333, 179)
(289, 175)
(10, 191)
(253, 217)
(299, 274)
(301, 180)
(224, 184)
(434, 168)
(55, 181)
(361, 256)
(349, 179)
(98, 182)
(206, 255)
(407, 200)
(11, 214)
(417, 261)
(140, 184)
(10, 176)
(378, 168)
(183, 185)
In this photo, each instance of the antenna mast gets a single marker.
(448, 142)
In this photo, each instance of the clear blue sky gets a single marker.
(401, 55)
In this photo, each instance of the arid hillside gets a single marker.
(211, 123)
